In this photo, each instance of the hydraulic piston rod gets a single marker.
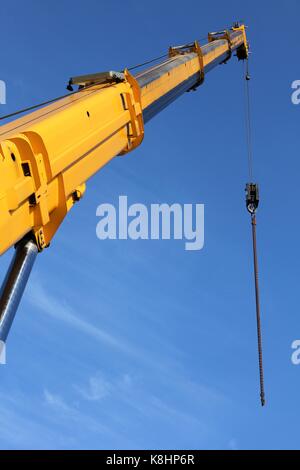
(14, 284)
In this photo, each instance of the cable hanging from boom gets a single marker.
(248, 120)
(252, 201)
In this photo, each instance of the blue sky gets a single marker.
(141, 344)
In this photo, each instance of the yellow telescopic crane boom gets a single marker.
(47, 156)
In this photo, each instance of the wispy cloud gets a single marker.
(131, 392)
(63, 312)
(71, 413)
(168, 369)
(99, 387)
(96, 389)
(158, 390)
(43, 301)
(75, 422)
(23, 427)
(56, 401)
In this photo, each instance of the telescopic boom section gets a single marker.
(47, 156)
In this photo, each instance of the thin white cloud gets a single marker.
(55, 401)
(169, 371)
(97, 389)
(177, 414)
(69, 416)
(130, 391)
(41, 299)
(22, 427)
(137, 399)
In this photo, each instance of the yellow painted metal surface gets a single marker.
(242, 29)
(47, 156)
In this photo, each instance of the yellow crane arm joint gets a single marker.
(132, 102)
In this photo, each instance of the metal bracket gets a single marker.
(96, 79)
(242, 52)
(216, 36)
(199, 51)
(132, 102)
(183, 49)
(187, 49)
